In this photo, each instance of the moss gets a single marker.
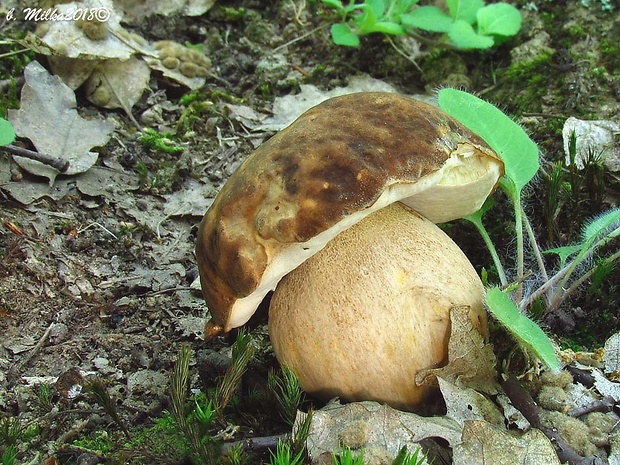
(527, 83)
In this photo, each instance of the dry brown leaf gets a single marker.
(118, 84)
(612, 354)
(483, 442)
(372, 426)
(466, 404)
(471, 362)
(86, 40)
(48, 117)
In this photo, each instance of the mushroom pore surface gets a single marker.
(361, 317)
(336, 164)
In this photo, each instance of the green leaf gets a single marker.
(337, 4)
(462, 34)
(343, 35)
(564, 252)
(498, 19)
(377, 7)
(464, 10)
(606, 224)
(428, 18)
(388, 28)
(526, 331)
(7, 133)
(507, 138)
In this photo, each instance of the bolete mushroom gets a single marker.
(342, 203)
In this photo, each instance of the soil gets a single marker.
(98, 277)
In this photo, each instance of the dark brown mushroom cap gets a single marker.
(337, 163)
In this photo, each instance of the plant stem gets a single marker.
(492, 250)
(561, 297)
(535, 247)
(519, 236)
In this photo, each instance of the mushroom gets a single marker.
(343, 201)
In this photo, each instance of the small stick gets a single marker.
(523, 401)
(255, 443)
(58, 163)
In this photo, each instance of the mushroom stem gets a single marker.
(361, 317)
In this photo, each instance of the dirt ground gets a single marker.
(97, 273)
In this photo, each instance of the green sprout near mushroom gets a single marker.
(509, 303)
(468, 24)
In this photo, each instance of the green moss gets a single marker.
(528, 82)
(610, 55)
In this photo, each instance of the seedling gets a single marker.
(404, 457)
(346, 457)
(287, 392)
(469, 24)
(510, 303)
(284, 455)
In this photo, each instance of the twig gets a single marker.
(58, 163)
(523, 401)
(254, 443)
(606, 404)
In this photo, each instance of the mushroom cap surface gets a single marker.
(337, 163)
(364, 315)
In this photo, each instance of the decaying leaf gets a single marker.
(372, 425)
(179, 63)
(612, 354)
(73, 72)
(465, 404)
(101, 37)
(483, 442)
(48, 117)
(118, 84)
(471, 362)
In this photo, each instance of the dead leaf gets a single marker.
(372, 425)
(483, 442)
(72, 71)
(612, 354)
(86, 40)
(118, 84)
(188, 67)
(466, 404)
(471, 362)
(48, 117)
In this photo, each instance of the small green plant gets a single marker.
(7, 133)
(510, 302)
(347, 457)
(285, 456)
(287, 392)
(9, 455)
(404, 457)
(162, 142)
(468, 24)
(242, 353)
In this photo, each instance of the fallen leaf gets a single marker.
(118, 84)
(48, 117)
(612, 354)
(483, 442)
(372, 425)
(86, 40)
(188, 67)
(465, 404)
(72, 71)
(471, 362)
